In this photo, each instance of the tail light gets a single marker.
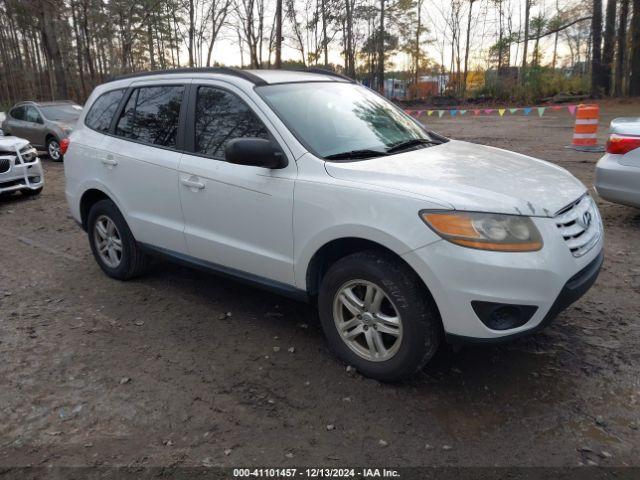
(64, 145)
(621, 144)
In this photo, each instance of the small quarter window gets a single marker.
(221, 116)
(151, 115)
(102, 111)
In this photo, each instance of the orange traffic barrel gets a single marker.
(585, 133)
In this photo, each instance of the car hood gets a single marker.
(470, 177)
(9, 144)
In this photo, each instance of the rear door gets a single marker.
(236, 216)
(140, 161)
(33, 128)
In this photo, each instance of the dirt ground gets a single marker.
(153, 371)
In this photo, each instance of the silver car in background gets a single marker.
(618, 172)
(44, 124)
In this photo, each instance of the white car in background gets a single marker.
(2, 117)
(317, 187)
(20, 168)
(618, 172)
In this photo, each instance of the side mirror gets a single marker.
(256, 152)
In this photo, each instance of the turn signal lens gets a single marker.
(64, 145)
(485, 231)
(621, 144)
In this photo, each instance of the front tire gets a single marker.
(112, 243)
(54, 151)
(378, 316)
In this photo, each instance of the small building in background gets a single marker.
(429, 86)
(395, 88)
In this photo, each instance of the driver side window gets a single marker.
(221, 116)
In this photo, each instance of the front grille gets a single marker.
(5, 164)
(579, 225)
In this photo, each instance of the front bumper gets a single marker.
(575, 288)
(549, 279)
(617, 182)
(21, 175)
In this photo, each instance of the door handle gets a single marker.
(194, 184)
(109, 161)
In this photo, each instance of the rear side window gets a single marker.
(32, 115)
(221, 116)
(17, 113)
(102, 110)
(151, 115)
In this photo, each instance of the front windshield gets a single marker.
(61, 113)
(332, 118)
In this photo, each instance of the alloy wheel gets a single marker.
(367, 320)
(108, 241)
(54, 150)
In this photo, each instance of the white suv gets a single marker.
(317, 187)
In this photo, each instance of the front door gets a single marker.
(236, 217)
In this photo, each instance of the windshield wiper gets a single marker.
(414, 142)
(354, 154)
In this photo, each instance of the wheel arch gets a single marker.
(338, 248)
(89, 198)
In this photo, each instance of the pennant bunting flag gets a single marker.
(487, 111)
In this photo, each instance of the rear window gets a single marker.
(61, 113)
(151, 115)
(103, 109)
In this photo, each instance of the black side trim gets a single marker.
(244, 277)
(236, 72)
(575, 288)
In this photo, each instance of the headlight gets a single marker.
(485, 231)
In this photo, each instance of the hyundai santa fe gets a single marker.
(317, 187)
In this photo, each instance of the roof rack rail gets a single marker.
(224, 70)
(325, 71)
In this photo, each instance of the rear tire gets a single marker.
(390, 338)
(112, 243)
(54, 151)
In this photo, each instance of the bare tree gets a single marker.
(596, 45)
(622, 47)
(634, 80)
(609, 46)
